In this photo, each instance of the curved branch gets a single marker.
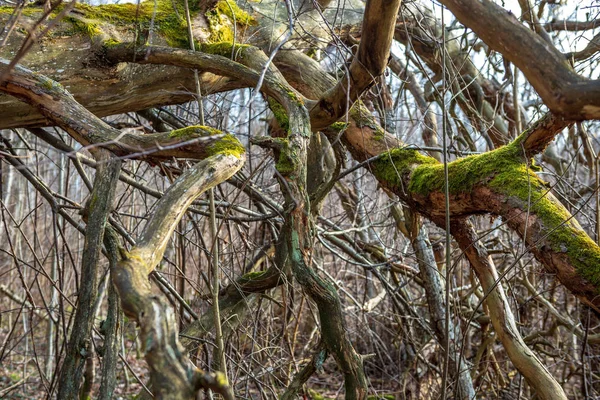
(206, 62)
(172, 374)
(170, 208)
(563, 91)
(59, 106)
(370, 62)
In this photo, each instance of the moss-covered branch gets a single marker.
(59, 107)
(501, 182)
(72, 53)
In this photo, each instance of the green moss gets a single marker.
(287, 163)
(221, 21)
(313, 53)
(195, 131)
(221, 379)
(111, 43)
(379, 133)
(314, 395)
(231, 9)
(503, 170)
(48, 84)
(228, 145)
(250, 276)
(339, 126)
(86, 26)
(294, 96)
(397, 164)
(563, 232)
(280, 114)
(223, 48)
(465, 173)
(220, 28)
(168, 18)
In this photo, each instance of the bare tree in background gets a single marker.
(299, 199)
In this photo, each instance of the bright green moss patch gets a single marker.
(379, 133)
(465, 173)
(223, 17)
(166, 18)
(228, 145)
(583, 252)
(314, 395)
(564, 233)
(505, 171)
(111, 43)
(397, 163)
(280, 114)
(231, 9)
(86, 26)
(251, 276)
(224, 49)
(292, 95)
(339, 126)
(195, 131)
(221, 29)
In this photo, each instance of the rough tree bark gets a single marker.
(500, 182)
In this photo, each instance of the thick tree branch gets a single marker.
(172, 374)
(563, 91)
(367, 140)
(59, 106)
(370, 62)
